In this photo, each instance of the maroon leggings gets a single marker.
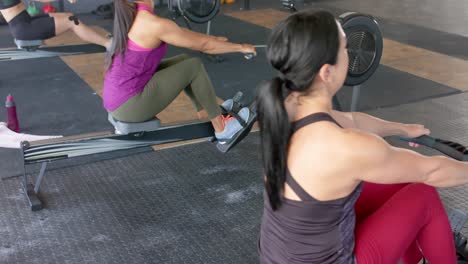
(402, 222)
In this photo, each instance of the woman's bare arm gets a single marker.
(374, 160)
(375, 125)
(169, 32)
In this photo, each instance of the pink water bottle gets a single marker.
(12, 118)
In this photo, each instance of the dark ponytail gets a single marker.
(298, 47)
(273, 119)
(124, 15)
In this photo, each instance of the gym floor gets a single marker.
(188, 203)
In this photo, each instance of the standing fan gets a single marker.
(365, 47)
(197, 11)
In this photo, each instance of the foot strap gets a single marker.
(237, 105)
(241, 134)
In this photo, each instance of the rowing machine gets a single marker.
(126, 136)
(32, 49)
(449, 148)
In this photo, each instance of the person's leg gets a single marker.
(63, 24)
(172, 61)
(190, 73)
(24, 27)
(414, 213)
(172, 77)
(372, 197)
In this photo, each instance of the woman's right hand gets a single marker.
(248, 49)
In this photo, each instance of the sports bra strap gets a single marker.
(141, 7)
(300, 192)
(312, 118)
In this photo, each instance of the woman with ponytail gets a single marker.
(138, 84)
(335, 191)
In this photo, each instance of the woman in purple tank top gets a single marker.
(139, 84)
(335, 191)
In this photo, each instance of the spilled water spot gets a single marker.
(100, 238)
(243, 195)
(235, 197)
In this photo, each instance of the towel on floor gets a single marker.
(11, 139)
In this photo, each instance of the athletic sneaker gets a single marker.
(232, 126)
(233, 104)
(227, 105)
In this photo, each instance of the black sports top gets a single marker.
(308, 231)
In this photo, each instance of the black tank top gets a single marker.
(308, 231)
(4, 4)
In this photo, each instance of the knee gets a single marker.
(72, 20)
(196, 63)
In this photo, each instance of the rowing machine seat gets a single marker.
(123, 128)
(29, 45)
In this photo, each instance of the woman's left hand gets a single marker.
(414, 131)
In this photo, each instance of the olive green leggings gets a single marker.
(173, 75)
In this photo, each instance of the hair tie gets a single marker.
(287, 82)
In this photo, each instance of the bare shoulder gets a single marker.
(360, 145)
(345, 147)
(322, 159)
(154, 23)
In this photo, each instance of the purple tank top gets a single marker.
(308, 231)
(129, 75)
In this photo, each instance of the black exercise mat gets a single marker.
(390, 87)
(51, 100)
(183, 205)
